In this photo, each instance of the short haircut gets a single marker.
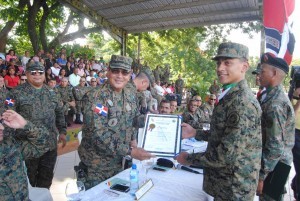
(164, 101)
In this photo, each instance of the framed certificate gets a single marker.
(162, 134)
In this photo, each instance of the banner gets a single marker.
(278, 23)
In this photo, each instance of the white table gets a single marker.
(173, 185)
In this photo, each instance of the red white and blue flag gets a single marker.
(9, 102)
(101, 109)
(278, 23)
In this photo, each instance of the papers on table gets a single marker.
(162, 134)
(193, 146)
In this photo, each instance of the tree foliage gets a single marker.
(45, 23)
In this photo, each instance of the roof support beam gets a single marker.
(117, 4)
(168, 7)
(188, 16)
(116, 32)
(159, 28)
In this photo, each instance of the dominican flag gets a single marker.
(278, 23)
(101, 109)
(9, 102)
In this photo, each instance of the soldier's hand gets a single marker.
(187, 131)
(181, 158)
(13, 120)
(260, 187)
(62, 138)
(72, 104)
(141, 154)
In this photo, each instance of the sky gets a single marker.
(254, 44)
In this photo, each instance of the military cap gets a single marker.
(232, 50)
(35, 66)
(122, 62)
(257, 70)
(268, 58)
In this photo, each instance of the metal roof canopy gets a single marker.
(120, 17)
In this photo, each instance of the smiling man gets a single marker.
(109, 125)
(39, 104)
(231, 173)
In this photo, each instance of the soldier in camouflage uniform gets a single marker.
(230, 172)
(67, 98)
(78, 93)
(179, 84)
(278, 118)
(13, 179)
(193, 116)
(39, 104)
(156, 73)
(109, 130)
(208, 107)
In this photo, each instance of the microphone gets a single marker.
(187, 169)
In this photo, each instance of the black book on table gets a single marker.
(276, 180)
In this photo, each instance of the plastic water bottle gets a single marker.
(134, 180)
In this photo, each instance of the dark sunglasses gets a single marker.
(23, 79)
(93, 81)
(117, 71)
(213, 99)
(34, 72)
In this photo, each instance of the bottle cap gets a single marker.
(133, 166)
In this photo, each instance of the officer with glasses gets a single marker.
(39, 104)
(109, 128)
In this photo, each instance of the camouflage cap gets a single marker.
(35, 66)
(232, 50)
(257, 70)
(122, 62)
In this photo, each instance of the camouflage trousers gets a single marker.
(40, 170)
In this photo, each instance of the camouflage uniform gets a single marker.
(43, 109)
(13, 179)
(207, 110)
(66, 96)
(107, 138)
(3, 95)
(230, 172)
(278, 131)
(179, 86)
(195, 120)
(78, 93)
(156, 73)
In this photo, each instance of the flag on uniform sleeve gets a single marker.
(278, 23)
(101, 109)
(9, 102)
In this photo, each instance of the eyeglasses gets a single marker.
(23, 79)
(198, 100)
(82, 81)
(34, 72)
(93, 81)
(117, 71)
(213, 99)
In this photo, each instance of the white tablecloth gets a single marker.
(173, 185)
